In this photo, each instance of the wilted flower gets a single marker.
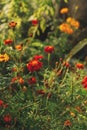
(64, 10)
(7, 118)
(12, 24)
(34, 65)
(64, 27)
(79, 66)
(67, 123)
(8, 41)
(41, 92)
(34, 22)
(32, 80)
(49, 49)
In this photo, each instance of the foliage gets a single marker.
(39, 89)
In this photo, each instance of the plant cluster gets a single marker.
(39, 88)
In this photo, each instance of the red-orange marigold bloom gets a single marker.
(8, 41)
(34, 22)
(79, 66)
(84, 82)
(67, 123)
(7, 118)
(18, 47)
(12, 24)
(34, 65)
(64, 10)
(38, 57)
(49, 49)
(32, 80)
(21, 80)
(1, 103)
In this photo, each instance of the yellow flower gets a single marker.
(4, 57)
(64, 10)
(64, 27)
(73, 22)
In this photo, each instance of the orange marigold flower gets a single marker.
(21, 80)
(67, 123)
(4, 57)
(73, 22)
(17, 79)
(49, 49)
(64, 10)
(8, 41)
(18, 47)
(64, 27)
(34, 65)
(79, 66)
(12, 24)
(34, 22)
(7, 118)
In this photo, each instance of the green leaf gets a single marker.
(43, 25)
(76, 49)
(37, 44)
(66, 1)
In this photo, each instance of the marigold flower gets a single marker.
(84, 82)
(21, 80)
(73, 22)
(8, 41)
(34, 65)
(64, 10)
(18, 47)
(79, 66)
(4, 57)
(49, 49)
(34, 22)
(32, 80)
(1, 103)
(64, 27)
(12, 24)
(38, 57)
(7, 118)
(17, 79)
(67, 123)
